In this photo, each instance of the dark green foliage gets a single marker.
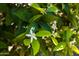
(39, 29)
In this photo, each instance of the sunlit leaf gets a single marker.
(67, 33)
(60, 46)
(75, 49)
(43, 33)
(54, 41)
(52, 9)
(36, 6)
(35, 46)
(34, 18)
(27, 42)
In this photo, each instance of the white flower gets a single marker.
(12, 23)
(60, 14)
(19, 47)
(54, 25)
(44, 38)
(31, 34)
(72, 42)
(72, 29)
(10, 48)
(29, 4)
(29, 46)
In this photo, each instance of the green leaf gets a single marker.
(73, 20)
(54, 41)
(3, 45)
(43, 33)
(8, 20)
(75, 49)
(45, 26)
(34, 18)
(22, 14)
(67, 33)
(65, 51)
(52, 9)
(65, 8)
(26, 42)
(70, 52)
(3, 7)
(19, 38)
(35, 46)
(60, 46)
(37, 7)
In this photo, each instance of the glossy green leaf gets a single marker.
(35, 46)
(75, 49)
(65, 8)
(67, 33)
(37, 7)
(43, 33)
(60, 46)
(19, 38)
(45, 26)
(27, 42)
(34, 18)
(52, 9)
(54, 41)
(48, 18)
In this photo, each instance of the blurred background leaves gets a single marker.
(54, 25)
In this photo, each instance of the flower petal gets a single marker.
(31, 32)
(28, 35)
(34, 37)
(31, 39)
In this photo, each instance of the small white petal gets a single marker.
(73, 42)
(31, 39)
(77, 17)
(31, 35)
(28, 35)
(12, 23)
(19, 47)
(10, 48)
(54, 22)
(43, 37)
(31, 31)
(29, 4)
(35, 37)
(29, 46)
(33, 28)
